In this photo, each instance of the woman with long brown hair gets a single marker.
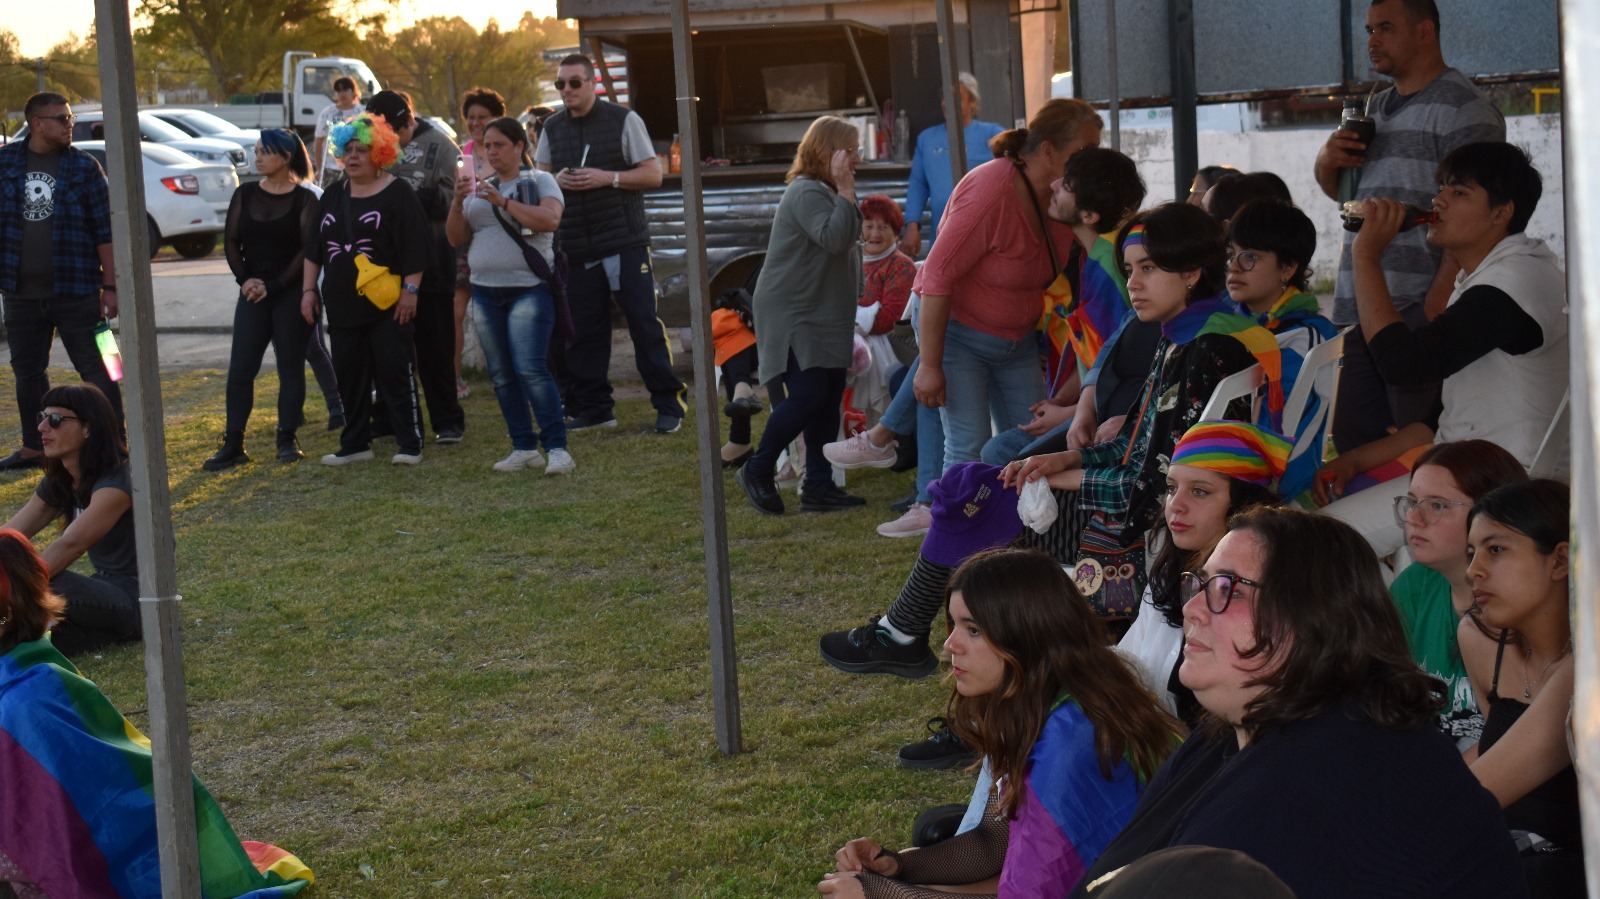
(804, 305)
(1071, 734)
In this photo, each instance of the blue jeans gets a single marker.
(990, 383)
(1015, 443)
(907, 416)
(514, 326)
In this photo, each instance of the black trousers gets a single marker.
(101, 610)
(377, 354)
(31, 327)
(586, 364)
(810, 406)
(433, 337)
(275, 320)
(740, 368)
(1367, 406)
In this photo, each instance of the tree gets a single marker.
(242, 43)
(439, 58)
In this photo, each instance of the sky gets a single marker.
(40, 26)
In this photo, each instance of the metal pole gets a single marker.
(152, 506)
(719, 594)
(950, 69)
(1580, 129)
(1113, 88)
(38, 69)
(1185, 139)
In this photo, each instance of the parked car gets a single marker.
(444, 126)
(199, 123)
(91, 126)
(185, 200)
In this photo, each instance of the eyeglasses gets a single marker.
(65, 118)
(1429, 510)
(1245, 260)
(1219, 589)
(54, 419)
(573, 84)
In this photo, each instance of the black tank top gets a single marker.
(1550, 809)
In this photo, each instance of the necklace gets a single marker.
(1527, 656)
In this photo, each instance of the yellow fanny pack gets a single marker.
(380, 286)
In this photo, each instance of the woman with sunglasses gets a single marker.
(87, 485)
(1519, 552)
(265, 242)
(1069, 731)
(1218, 469)
(1434, 593)
(1318, 756)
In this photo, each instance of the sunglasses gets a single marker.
(54, 419)
(65, 118)
(573, 84)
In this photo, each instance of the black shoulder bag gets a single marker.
(555, 277)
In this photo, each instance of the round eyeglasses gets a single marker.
(1245, 260)
(1430, 510)
(1219, 589)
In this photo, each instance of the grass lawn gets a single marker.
(451, 681)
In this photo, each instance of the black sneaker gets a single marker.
(668, 424)
(937, 824)
(828, 498)
(590, 420)
(743, 407)
(905, 454)
(18, 462)
(449, 435)
(763, 493)
(870, 650)
(942, 749)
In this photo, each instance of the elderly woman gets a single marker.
(1319, 757)
(805, 303)
(370, 243)
(86, 484)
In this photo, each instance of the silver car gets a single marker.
(185, 200)
(199, 123)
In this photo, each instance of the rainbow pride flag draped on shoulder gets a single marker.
(1083, 320)
(1217, 315)
(76, 811)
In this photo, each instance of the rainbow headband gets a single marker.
(1236, 449)
(372, 132)
(1135, 236)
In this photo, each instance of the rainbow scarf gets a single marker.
(1215, 315)
(77, 815)
(1086, 320)
(1290, 310)
(1235, 449)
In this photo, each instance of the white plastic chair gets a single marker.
(1552, 460)
(1319, 373)
(1247, 382)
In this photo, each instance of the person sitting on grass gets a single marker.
(1500, 346)
(77, 775)
(1519, 551)
(1071, 733)
(733, 340)
(1434, 593)
(87, 484)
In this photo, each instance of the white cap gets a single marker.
(970, 83)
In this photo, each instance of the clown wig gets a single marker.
(372, 132)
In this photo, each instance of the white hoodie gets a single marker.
(1505, 399)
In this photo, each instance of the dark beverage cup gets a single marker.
(1364, 128)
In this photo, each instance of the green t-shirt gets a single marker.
(1422, 596)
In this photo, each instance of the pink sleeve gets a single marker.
(967, 229)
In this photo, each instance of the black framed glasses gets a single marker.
(1220, 589)
(1245, 260)
(54, 419)
(573, 83)
(1430, 510)
(65, 118)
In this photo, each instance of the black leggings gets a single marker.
(101, 610)
(275, 320)
(810, 407)
(740, 368)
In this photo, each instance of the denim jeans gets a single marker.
(514, 326)
(990, 385)
(906, 416)
(1015, 443)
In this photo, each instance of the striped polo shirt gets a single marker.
(1413, 134)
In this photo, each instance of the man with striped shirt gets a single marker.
(1430, 110)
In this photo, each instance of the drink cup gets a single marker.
(1363, 127)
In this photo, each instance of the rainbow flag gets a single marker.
(1085, 320)
(1216, 315)
(76, 811)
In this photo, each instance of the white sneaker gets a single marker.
(406, 459)
(859, 452)
(520, 459)
(560, 463)
(914, 523)
(337, 459)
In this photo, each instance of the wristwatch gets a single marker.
(616, 180)
(411, 288)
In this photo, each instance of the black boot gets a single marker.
(232, 453)
(288, 447)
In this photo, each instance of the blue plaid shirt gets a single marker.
(80, 223)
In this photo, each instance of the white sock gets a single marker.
(895, 634)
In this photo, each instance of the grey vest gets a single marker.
(601, 222)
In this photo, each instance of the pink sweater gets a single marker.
(987, 260)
